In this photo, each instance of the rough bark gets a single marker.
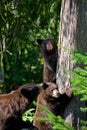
(2, 48)
(67, 43)
(72, 36)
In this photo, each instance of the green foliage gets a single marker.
(79, 80)
(21, 23)
(28, 115)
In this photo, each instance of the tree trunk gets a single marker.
(2, 49)
(72, 36)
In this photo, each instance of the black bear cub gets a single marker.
(51, 99)
(14, 104)
(50, 54)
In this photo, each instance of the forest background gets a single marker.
(21, 23)
(21, 61)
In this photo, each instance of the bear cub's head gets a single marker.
(48, 45)
(30, 91)
(50, 90)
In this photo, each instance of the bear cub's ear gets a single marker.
(45, 86)
(39, 41)
(15, 86)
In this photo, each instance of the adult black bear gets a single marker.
(14, 104)
(50, 54)
(51, 99)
